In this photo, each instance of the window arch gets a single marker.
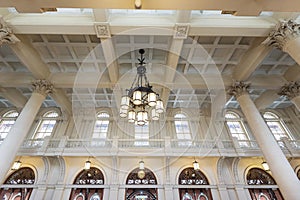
(257, 176)
(101, 126)
(237, 128)
(141, 177)
(21, 177)
(46, 125)
(189, 176)
(183, 131)
(92, 176)
(276, 126)
(7, 120)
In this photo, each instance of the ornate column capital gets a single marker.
(42, 86)
(6, 34)
(238, 89)
(285, 31)
(291, 90)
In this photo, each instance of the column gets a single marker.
(17, 134)
(292, 91)
(286, 38)
(280, 167)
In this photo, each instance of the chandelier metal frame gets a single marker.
(140, 98)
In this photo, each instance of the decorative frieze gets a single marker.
(102, 30)
(291, 90)
(284, 32)
(6, 34)
(42, 86)
(238, 89)
(181, 31)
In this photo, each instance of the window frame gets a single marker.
(5, 118)
(282, 126)
(238, 119)
(182, 128)
(44, 118)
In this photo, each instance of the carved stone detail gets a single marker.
(42, 86)
(291, 90)
(102, 30)
(284, 32)
(181, 31)
(238, 89)
(6, 34)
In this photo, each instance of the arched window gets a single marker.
(237, 128)
(141, 177)
(276, 126)
(6, 122)
(46, 125)
(22, 177)
(141, 135)
(188, 177)
(182, 129)
(90, 177)
(256, 177)
(101, 126)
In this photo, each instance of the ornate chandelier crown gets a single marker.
(140, 99)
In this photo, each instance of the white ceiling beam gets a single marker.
(101, 15)
(14, 96)
(33, 61)
(266, 99)
(30, 58)
(91, 80)
(293, 73)
(110, 59)
(60, 97)
(174, 53)
(251, 60)
(242, 7)
(122, 24)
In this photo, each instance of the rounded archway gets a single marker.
(144, 177)
(88, 184)
(19, 180)
(257, 177)
(190, 177)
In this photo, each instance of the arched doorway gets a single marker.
(257, 177)
(89, 178)
(140, 177)
(22, 177)
(190, 177)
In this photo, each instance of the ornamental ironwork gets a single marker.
(189, 176)
(92, 176)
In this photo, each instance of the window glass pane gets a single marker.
(141, 135)
(237, 129)
(101, 126)
(276, 126)
(7, 122)
(47, 124)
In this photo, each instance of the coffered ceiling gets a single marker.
(90, 55)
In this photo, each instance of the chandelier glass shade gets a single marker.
(141, 103)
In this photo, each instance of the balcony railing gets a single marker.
(165, 146)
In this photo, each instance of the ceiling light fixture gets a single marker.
(87, 165)
(265, 166)
(17, 164)
(140, 99)
(196, 165)
(138, 4)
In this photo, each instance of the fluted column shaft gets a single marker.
(281, 169)
(17, 134)
(286, 37)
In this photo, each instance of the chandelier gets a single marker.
(141, 103)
